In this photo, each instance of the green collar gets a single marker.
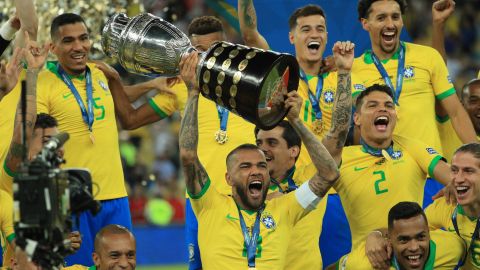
(367, 56)
(461, 211)
(429, 264)
(92, 267)
(284, 180)
(324, 75)
(52, 66)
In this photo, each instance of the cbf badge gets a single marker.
(268, 221)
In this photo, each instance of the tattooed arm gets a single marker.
(248, 25)
(342, 109)
(327, 171)
(195, 175)
(35, 58)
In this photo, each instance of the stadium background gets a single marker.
(150, 154)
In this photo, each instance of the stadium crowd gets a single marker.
(373, 137)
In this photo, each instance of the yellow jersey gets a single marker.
(98, 151)
(6, 227)
(450, 140)
(326, 101)
(365, 179)
(446, 249)
(211, 154)
(439, 215)
(220, 235)
(425, 79)
(76, 267)
(304, 252)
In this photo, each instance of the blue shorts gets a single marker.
(114, 211)
(432, 186)
(191, 236)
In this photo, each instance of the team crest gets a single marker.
(191, 252)
(359, 87)
(328, 96)
(397, 154)
(268, 221)
(103, 85)
(408, 73)
(431, 151)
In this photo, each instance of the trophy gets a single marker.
(249, 82)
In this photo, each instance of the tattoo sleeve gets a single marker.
(248, 14)
(327, 171)
(196, 176)
(341, 115)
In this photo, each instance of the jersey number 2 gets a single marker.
(378, 189)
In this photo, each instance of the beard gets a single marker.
(242, 194)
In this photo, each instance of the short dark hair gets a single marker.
(245, 146)
(373, 88)
(45, 121)
(205, 25)
(112, 229)
(305, 11)
(364, 10)
(63, 19)
(289, 134)
(472, 148)
(466, 87)
(404, 210)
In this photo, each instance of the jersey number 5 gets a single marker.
(378, 189)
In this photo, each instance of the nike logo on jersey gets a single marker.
(359, 168)
(231, 218)
(65, 96)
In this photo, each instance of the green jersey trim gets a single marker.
(199, 195)
(157, 109)
(446, 94)
(433, 164)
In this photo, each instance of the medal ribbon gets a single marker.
(386, 153)
(400, 72)
(474, 236)
(87, 116)
(291, 184)
(314, 99)
(251, 240)
(223, 117)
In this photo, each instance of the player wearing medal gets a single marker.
(77, 95)
(411, 244)
(219, 130)
(222, 218)
(281, 147)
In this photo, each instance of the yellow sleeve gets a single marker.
(6, 215)
(438, 214)
(440, 79)
(6, 179)
(208, 198)
(76, 267)
(426, 157)
(165, 104)
(355, 260)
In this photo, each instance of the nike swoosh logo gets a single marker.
(359, 169)
(66, 95)
(231, 218)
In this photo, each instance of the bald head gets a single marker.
(114, 248)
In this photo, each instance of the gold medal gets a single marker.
(221, 136)
(92, 138)
(318, 126)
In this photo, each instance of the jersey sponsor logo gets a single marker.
(103, 85)
(268, 221)
(231, 218)
(397, 154)
(359, 87)
(66, 95)
(359, 168)
(328, 96)
(409, 73)
(431, 151)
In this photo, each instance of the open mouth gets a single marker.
(461, 190)
(255, 188)
(414, 260)
(381, 123)
(389, 36)
(313, 46)
(78, 56)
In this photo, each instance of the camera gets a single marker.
(45, 197)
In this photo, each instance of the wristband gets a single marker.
(7, 31)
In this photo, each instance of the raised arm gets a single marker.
(342, 108)
(35, 58)
(195, 175)
(160, 84)
(441, 11)
(28, 19)
(327, 171)
(130, 118)
(248, 25)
